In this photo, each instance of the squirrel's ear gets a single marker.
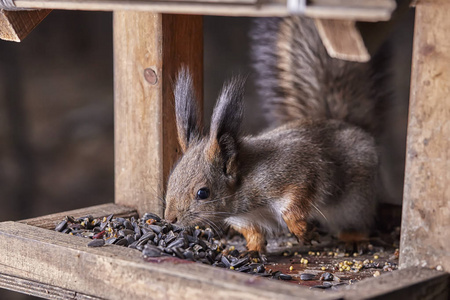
(226, 124)
(186, 111)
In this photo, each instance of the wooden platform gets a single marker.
(53, 265)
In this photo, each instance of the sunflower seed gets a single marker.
(96, 243)
(307, 276)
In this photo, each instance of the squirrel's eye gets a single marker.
(203, 194)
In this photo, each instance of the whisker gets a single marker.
(217, 213)
(320, 212)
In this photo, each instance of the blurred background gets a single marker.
(56, 110)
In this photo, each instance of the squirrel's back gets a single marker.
(297, 79)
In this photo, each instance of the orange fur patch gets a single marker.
(255, 239)
(298, 210)
(213, 150)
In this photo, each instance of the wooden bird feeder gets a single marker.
(152, 38)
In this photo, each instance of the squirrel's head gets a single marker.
(202, 185)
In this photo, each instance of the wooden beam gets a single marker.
(41, 290)
(371, 11)
(425, 237)
(410, 283)
(149, 49)
(16, 25)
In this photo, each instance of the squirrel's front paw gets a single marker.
(254, 254)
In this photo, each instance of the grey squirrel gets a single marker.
(319, 162)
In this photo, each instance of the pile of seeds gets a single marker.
(155, 237)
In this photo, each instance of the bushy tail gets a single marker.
(297, 79)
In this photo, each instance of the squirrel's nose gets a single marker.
(172, 219)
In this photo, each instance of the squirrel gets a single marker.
(319, 162)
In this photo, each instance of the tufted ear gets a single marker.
(226, 125)
(186, 110)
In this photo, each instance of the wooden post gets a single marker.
(425, 238)
(16, 25)
(149, 49)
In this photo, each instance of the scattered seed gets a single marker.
(326, 277)
(322, 287)
(61, 226)
(307, 276)
(155, 237)
(285, 277)
(96, 243)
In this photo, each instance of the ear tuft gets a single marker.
(186, 110)
(226, 125)
(228, 112)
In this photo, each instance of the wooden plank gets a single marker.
(410, 283)
(371, 11)
(38, 289)
(425, 237)
(349, 40)
(149, 49)
(116, 272)
(342, 40)
(16, 25)
(98, 211)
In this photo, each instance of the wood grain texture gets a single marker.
(16, 25)
(41, 290)
(146, 143)
(115, 272)
(182, 46)
(371, 11)
(425, 237)
(358, 41)
(342, 40)
(98, 211)
(410, 283)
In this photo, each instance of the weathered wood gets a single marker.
(411, 284)
(371, 11)
(98, 211)
(149, 49)
(357, 41)
(342, 40)
(41, 290)
(116, 272)
(54, 265)
(425, 238)
(16, 25)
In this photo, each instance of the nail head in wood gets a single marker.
(150, 76)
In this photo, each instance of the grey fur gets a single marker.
(186, 110)
(319, 163)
